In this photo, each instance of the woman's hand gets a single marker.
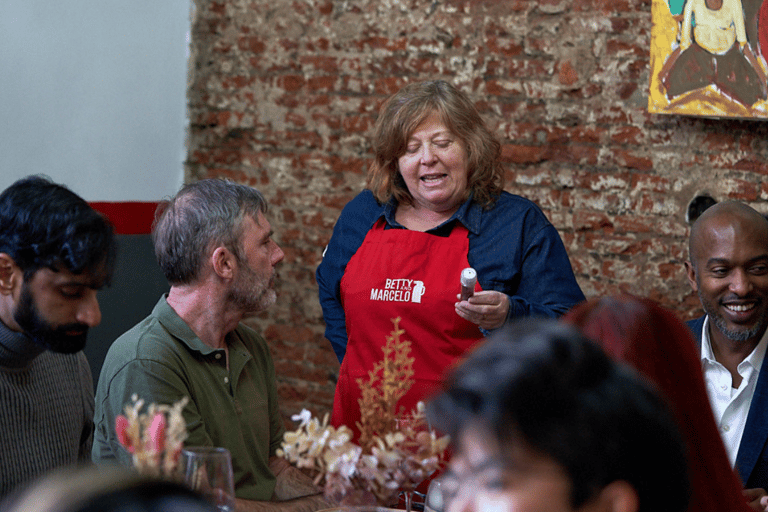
(488, 309)
(757, 499)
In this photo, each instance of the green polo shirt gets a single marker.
(162, 360)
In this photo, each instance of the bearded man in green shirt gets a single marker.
(215, 247)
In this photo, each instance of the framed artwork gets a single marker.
(708, 58)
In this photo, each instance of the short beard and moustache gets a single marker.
(250, 293)
(741, 335)
(55, 339)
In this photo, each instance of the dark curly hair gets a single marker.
(46, 225)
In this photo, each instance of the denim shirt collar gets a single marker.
(469, 214)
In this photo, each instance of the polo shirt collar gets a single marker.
(178, 328)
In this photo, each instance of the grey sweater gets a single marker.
(46, 410)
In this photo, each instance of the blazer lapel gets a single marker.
(696, 325)
(756, 428)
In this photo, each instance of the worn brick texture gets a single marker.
(283, 95)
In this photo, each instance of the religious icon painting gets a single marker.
(709, 58)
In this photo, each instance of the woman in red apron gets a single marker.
(434, 205)
(411, 274)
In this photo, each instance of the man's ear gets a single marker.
(690, 271)
(10, 273)
(223, 262)
(618, 496)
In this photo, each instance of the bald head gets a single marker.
(731, 216)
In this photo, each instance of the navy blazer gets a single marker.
(752, 458)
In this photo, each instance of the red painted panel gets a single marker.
(129, 218)
(762, 29)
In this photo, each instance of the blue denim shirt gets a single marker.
(512, 246)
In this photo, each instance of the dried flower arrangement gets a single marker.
(388, 381)
(155, 438)
(396, 450)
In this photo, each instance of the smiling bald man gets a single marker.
(728, 268)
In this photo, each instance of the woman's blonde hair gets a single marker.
(399, 117)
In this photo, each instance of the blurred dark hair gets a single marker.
(105, 489)
(545, 382)
(403, 112)
(653, 340)
(44, 224)
(203, 215)
(148, 496)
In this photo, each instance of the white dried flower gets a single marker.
(398, 459)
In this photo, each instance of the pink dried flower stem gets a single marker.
(155, 438)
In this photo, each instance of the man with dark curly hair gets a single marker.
(56, 252)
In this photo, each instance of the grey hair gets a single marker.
(203, 215)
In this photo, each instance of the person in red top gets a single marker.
(655, 342)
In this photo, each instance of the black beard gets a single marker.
(43, 333)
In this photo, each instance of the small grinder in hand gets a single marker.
(468, 281)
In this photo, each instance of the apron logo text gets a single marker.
(399, 290)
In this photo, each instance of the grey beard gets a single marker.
(722, 326)
(736, 335)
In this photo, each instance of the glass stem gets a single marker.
(408, 500)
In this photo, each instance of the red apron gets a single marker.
(414, 276)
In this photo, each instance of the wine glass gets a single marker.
(208, 470)
(412, 427)
(438, 495)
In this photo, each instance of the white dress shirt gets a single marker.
(730, 405)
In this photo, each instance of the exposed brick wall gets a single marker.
(283, 95)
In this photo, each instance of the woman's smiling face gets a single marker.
(434, 166)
